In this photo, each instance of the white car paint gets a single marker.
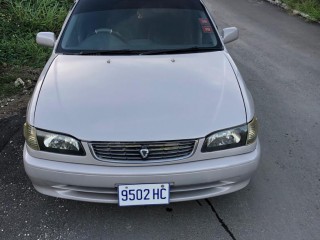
(133, 97)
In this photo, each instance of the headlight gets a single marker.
(231, 138)
(52, 142)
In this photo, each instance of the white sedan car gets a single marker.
(140, 103)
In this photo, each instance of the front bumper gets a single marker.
(189, 181)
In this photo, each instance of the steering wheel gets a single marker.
(111, 32)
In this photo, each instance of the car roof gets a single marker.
(102, 5)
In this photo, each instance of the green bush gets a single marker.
(23, 51)
(310, 7)
(20, 21)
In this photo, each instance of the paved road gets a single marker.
(279, 56)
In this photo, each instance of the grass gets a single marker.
(310, 7)
(20, 21)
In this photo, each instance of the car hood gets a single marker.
(140, 98)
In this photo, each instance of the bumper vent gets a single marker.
(143, 151)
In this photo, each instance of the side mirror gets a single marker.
(230, 34)
(46, 39)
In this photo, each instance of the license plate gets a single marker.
(144, 194)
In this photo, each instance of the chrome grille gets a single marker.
(130, 151)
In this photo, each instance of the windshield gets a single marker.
(138, 26)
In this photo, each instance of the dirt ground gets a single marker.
(13, 104)
(19, 102)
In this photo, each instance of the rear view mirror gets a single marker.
(230, 34)
(46, 39)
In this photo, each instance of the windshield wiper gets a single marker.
(146, 52)
(181, 50)
(110, 52)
